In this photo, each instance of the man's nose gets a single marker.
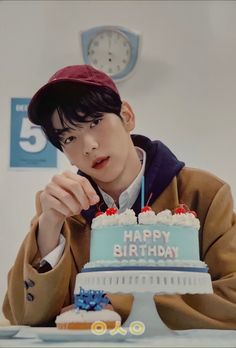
(90, 144)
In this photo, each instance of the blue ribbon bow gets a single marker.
(91, 300)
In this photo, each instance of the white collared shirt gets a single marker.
(126, 201)
(129, 196)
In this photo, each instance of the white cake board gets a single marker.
(143, 285)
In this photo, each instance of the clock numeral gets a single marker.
(95, 61)
(96, 43)
(118, 67)
(110, 71)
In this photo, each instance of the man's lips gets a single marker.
(100, 162)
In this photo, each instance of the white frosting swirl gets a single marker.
(105, 220)
(164, 217)
(128, 217)
(82, 316)
(187, 219)
(147, 217)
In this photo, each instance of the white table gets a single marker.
(186, 338)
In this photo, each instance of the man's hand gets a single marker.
(65, 195)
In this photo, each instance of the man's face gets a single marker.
(100, 148)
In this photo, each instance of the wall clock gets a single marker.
(112, 49)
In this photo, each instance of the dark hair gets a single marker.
(75, 104)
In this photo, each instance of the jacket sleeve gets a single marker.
(217, 310)
(36, 298)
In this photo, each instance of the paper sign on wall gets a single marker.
(29, 146)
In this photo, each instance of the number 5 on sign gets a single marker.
(29, 146)
(31, 137)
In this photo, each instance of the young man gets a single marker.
(81, 113)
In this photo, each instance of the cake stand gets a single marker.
(143, 285)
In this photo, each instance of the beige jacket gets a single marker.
(40, 301)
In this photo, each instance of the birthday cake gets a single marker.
(164, 241)
(149, 252)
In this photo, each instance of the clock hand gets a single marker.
(109, 49)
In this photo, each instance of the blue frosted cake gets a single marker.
(163, 241)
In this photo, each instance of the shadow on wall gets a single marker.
(147, 75)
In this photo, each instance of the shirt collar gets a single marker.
(129, 196)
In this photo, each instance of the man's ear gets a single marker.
(127, 116)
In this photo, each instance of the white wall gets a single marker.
(183, 89)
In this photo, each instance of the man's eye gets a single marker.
(68, 140)
(95, 122)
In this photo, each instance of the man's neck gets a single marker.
(132, 169)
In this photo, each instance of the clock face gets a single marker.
(109, 51)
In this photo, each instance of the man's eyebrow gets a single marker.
(62, 130)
